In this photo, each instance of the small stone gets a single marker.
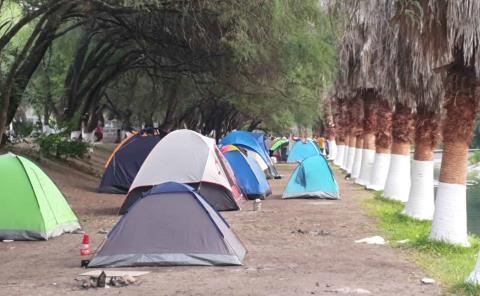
(102, 231)
(8, 241)
(128, 279)
(86, 284)
(349, 291)
(427, 281)
(101, 280)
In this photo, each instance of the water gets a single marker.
(473, 199)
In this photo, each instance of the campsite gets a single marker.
(239, 147)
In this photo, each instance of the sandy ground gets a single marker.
(319, 259)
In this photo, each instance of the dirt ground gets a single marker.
(295, 247)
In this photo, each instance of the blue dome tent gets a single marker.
(250, 176)
(127, 158)
(312, 178)
(301, 150)
(254, 142)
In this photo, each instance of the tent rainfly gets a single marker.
(312, 178)
(302, 150)
(249, 175)
(127, 158)
(171, 225)
(31, 205)
(254, 142)
(185, 156)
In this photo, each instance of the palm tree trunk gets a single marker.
(351, 153)
(397, 185)
(420, 203)
(383, 144)
(340, 153)
(338, 120)
(368, 158)
(461, 102)
(346, 152)
(357, 164)
(357, 127)
(369, 125)
(331, 131)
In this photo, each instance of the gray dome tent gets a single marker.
(171, 225)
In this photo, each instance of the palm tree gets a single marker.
(448, 36)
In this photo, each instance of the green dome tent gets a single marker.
(31, 205)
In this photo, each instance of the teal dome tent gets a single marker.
(312, 178)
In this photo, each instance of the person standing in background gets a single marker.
(321, 144)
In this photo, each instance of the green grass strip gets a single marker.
(448, 264)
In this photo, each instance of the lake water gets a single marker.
(473, 200)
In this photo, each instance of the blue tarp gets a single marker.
(249, 175)
(312, 178)
(302, 150)
(254, 142)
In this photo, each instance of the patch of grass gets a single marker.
(444, 262)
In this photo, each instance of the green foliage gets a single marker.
(474, 158)
(60, 147)
(445, 262)
(476, 134)
(23, 128)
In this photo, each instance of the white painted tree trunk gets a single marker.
(332, 149)
(340, 154)
(357, 163)
(397, 186)
(450, 215)
(420, 203)
(368, 158)
(379, 171)
(351, 158)
(74, 135)
(348, 150)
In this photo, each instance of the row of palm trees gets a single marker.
(409, 74)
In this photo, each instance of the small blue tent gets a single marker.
(301, 150)
(249, 175)
(312, 178)
(126, 160)
(254, 142)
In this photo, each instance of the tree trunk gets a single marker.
(420, 203)
(461, 102)
(331, 132)
(351, 153)
(356, 121)
(397, 186)
(341, 144)
(383, 144)
(369, 126)
(346, 152)
(31, 62)
(357, 163)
